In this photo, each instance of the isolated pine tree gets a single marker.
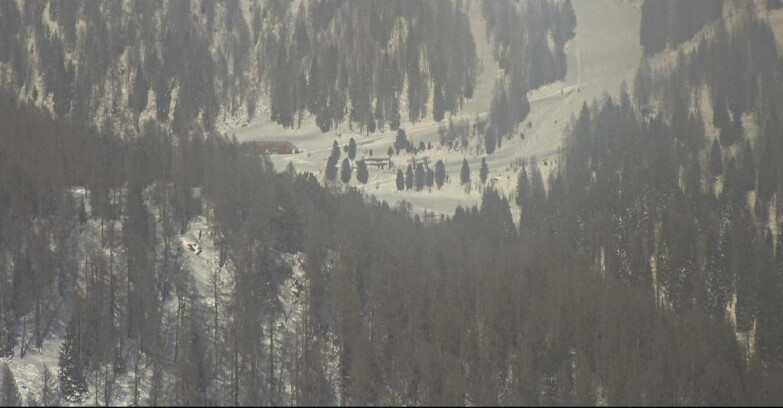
(464, 174)
(400, 180)
(484, 170)
(430, 177)
(440, 173)
(73, 385)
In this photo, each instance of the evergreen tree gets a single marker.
(362, 174)
(400, 180)
(314, 100)
(653, 28)
(345, 171)
(420, 176)
(394, 119)
(523, 188)
(331, 168)
(401, 141)
(464, 174)
(73, 385)
(409, 178)
(726, 136)
(490, 140)
(430, 177)
(440, 173)
(438, 108)
(48, 390)
(138, 96)
(390, 152)
(9, 393)
(335, 151)
(484, 170)
(7, 332)
(324, 119)
(331, 163)
(352, 149)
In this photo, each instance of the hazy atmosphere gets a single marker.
(388, 202)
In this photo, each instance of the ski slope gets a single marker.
(605, 53)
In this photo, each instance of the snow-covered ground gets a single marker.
(605, 53)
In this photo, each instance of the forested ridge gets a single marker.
(192, 64)
(645, 269)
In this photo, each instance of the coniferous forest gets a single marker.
(644, 268)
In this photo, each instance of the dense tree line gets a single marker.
(521, 33)
(194, 63)
(186, 63)
(470, 308)
(668, 23)
(613, 288)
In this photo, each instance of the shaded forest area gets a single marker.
(669, 23)
(614, 287)
(470, 308)
(521, 39)
(195, 63)
(188, 62)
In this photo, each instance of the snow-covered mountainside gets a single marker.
(604, 54)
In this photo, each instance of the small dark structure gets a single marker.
(276, 147)
(380, 162)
